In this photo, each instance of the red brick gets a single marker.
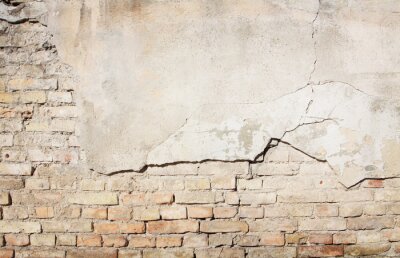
(277, 239)
(44, 212)
(6, 253)
(373, 183)
(115, 228)
(17, 240)
(326, 239)
(320, 251)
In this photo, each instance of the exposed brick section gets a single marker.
(52, 205)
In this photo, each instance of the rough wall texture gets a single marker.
(54, 205)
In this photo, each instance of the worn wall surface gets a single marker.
(199, 128)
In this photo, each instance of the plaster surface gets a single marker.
(165, 82)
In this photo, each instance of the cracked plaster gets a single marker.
(167, 82)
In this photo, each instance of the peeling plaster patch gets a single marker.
(197, 81)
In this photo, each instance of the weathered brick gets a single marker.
(220, 239)
(223, 168)
(375, 209)
(220, 253)
(223, 182)
(271, 168)
(320, 251)
(40, 253)
(61, 111)
(160, 198)
(19, 227)
(366, 249)
(288, 210)
(326, 210)
(369, 236)
(251, 212)
(127, 253)
(37, 183)
(172, 227)
(173, 212)
(249, 184)
(91, 253)
(146, 213)
(197, 184)
(225, 212)
(6, 140)
(195, 197)
(119, 213)
(257, 198)
(286, 225)
(370, 223)
(6, 253)
(114, 241)
(44, 212)
(88, 240)
(98, 198)
(373, 183)
(195, 241)
(344, 238)
(17, 239)
(142, 242)
(351, 210)
(59, 96)
(92, 185)
(66, 240)
(67, 226)
(272, 252)
(296, 238)
(199, 212)
(32, 84)
(94, 213)
(167, 253)
(15, 169)
(223, 226)
(288, 196)
(168, 241)
(326, 239)
(11, 184)
(43, 239)
(322, 224)
(232, 198)
(116, 228)
(271, 238)
(5, 198)
(246, 240)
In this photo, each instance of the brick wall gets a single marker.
(52, 206)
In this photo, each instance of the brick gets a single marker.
(372, 183)
(173, 212)
(146, 213)
(225, 212)
(6, 140)
(199, 212)
(272, 252)
(6, 253)
(393, 209)
(197, 184)
(320, 251)
(251, 212)
(269, 169)
(220, 253)
(195, 197)
(40, 253)
(344, 238)
(160, 198)
(15, 169)
(366, 249)
(59, 96)
(246, 240)
(115, 228)
(223, 168)
(375, 209)
(195, 241)
(168, 241)
(142, 242)
(249, 184)
(61, 111)
(17, 240)
(305, 196)
(5, 198)
(223, 182)
(114, 241)
(126, 253)
(361, 223)
(32, 84)
(11, 184)
(134, 199)
(297, 238)
(172, 227)
(37, 183)
(44, 212)
(92, 185)
(350, 196)
(261, 225)
(15, 212)
(19, 227)
(392, 235)
(232, 198)
(257, 198)
(119, 213)
(288, 210)
(322, 224)
(223, 226)
(275, 239)
(70, 212)
(11, 125)
(92, 253)
(66, 240)
(43, 240)
(88, 240)
(81, 226)
(351, 210)
(99, 198)
(326, 239)
(368, 236)
(179, 169)
(40, 155)
(94, 213)
(167, 253)
(326, 210)
(220, 239)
